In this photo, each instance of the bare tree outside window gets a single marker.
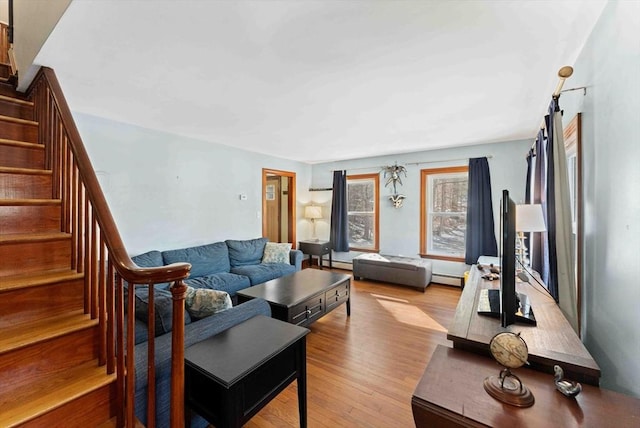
(362, 191)
(444, 212)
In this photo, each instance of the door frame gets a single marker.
(291, 202)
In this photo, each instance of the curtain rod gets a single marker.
(409, 163)
(446, 160)
(564, 73)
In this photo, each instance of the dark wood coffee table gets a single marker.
(232, 375)
(302, 297)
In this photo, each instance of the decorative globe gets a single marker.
(509, 349)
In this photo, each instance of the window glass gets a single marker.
(444, 212)
(362, 207)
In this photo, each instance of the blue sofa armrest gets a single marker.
(295, 258)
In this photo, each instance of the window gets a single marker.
(443, 212)
(362, 208)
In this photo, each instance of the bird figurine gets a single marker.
(567, 387)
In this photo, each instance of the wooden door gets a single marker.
(279, 205)
(273, 210)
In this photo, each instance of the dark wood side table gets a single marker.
(316, 248)
(232, 375)
(451, 394)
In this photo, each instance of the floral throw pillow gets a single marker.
(276, 253)
(202, 302)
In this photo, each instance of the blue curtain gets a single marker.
(527, 190)
(538, 246)
(552, 274)
(481, 238)
(339, 217)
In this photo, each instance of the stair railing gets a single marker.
(98, 251)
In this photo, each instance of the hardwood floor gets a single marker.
(362, 370)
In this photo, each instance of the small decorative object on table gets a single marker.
(510, 350)
(567, 387)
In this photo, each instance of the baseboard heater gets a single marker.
(446, 279)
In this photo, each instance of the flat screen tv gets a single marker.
(506, 303)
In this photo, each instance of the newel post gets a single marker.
(178, 291)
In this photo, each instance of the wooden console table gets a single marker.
(551, 342)
(451, 394)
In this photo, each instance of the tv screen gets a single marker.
(506, 303)
(508, 298)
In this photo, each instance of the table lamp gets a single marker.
(313, 212)
(529, 218)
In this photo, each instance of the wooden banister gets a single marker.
(98, 251)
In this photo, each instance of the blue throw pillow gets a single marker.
(205, 259)
(246, 252)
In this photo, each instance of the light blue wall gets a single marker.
(609, 65)
(166, 191)
(400, 227)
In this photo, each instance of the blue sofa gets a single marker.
(228, 266)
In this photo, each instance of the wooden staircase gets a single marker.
(50, 370)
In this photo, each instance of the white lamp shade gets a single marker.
(529, 218)
(312, 212)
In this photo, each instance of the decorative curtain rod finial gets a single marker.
(565, 72)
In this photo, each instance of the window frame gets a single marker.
(376, 207)
(425, 174)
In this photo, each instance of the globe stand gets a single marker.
(508, 388)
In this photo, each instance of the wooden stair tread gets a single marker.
(33, 237)
(26, 334)
(15, 100)
(19, 121)
(17, 143)
(32, 202)
(13, 282)
(53, 392)
(27, 171)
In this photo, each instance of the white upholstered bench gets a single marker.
(395, 269)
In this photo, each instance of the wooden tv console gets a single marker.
(451, 393)
(553, 341)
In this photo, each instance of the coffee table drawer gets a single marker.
(337, 295)
(307, 312)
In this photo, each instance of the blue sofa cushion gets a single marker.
(246, 252)
(229, 282)
(151, 259)
(264, 272)
(163, 304)
(205, 259)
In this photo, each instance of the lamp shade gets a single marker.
(529, 218)
(312, 212)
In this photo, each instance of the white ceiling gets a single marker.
(317, 81)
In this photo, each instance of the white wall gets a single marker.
(33, 21)
(609, 65)
(400, 227)
(4, 11)
(166, 191)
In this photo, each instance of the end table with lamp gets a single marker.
(316, 248)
